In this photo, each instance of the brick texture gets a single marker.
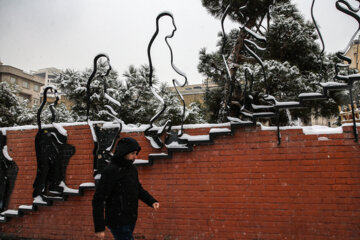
(243, 186)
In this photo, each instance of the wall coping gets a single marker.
(307, 130)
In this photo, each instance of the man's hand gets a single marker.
(156, 205)
(100, 235)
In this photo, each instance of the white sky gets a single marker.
(69, 33)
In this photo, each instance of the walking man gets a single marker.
(118, 192)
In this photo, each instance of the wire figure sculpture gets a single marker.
(345, 7)
(155, 135)
(104, 138)
(320, 36)
(252, 104)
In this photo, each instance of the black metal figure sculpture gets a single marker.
(254, 105)
(176, 83)
(248, 98)
(52, 155)
(345, 7)
(155, 135)
(346, 80)
(8, 174)
(104, 138)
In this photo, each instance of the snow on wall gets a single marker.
(308, 130)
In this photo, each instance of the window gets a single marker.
(24, 97)
(188, 88)
(42, 75)
(12, 80)
(36, 88)
(25, 84)
(197, 87)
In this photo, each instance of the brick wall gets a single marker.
(243, 186)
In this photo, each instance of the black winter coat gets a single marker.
(118, 192)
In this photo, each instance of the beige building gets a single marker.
(194, 92)
(353, 53)
(49, 74)
(29, 85)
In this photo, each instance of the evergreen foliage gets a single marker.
(12, 111)
(138, 104)
(292, 61)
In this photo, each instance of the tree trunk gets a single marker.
(236, 57)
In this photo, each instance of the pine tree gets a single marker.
(73, 84)
(137, 103)
(12, 111)
(292, 60)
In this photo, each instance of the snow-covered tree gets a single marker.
(137, 103)
(193, 113)
(61, 114)
(12, 111)
(292, 60)
(73, 84)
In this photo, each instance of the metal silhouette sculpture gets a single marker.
(345, 7)
(104, 138)
(154, 136)
(256, 105)
(346, 81)
(247, 104)
(8, 174)
(52, 155)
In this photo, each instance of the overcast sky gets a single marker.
(69, 33)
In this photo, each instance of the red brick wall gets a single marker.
(242, 187)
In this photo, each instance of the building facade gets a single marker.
(353, 53)
(194, 92)
(29, 85)
(49, 74)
